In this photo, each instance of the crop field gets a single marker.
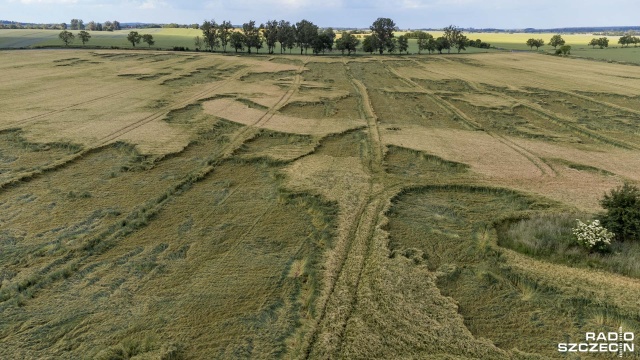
(197, 206)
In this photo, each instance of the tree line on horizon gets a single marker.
(306, 35)
(603, 42)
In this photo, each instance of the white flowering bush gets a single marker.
(593, 236)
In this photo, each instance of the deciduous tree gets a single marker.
(91, 26)
(270, 34)
(423, 40)
(286, 35)
(556, 40)
(442, 44)
(224, 34)
(237, 40)
(403, 44)
(134, 38)
(535, 42)
(382, 29)
(623, 212)
(370, 44)
(148, 38)
(252, 36)
(306, 32)
(66, 37)
(210, 34)
(84, 36)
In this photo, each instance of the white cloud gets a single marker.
(151, 4)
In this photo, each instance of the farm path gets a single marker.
(336, 309)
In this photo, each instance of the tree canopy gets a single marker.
(84, 36)
(535, 42)
(66, 37)
(382, 30)
(148, 39)
(556, 40)
(134, 38)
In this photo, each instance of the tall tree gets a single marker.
(442, 44)
(284, 33)
(461, 42)
(84, 36)
(66, 37)
(423, 40)
(224, 33)
(306, 32)
(403, 44)
(556, 40)
(91, 26)
(148, 38)
(270, 34)
(382, 29)
(237, 40)
(603, 42)
(535, 42)
(350, 42)
(252, 36)
(107, 26)
(210, 34)
(116, 25)
(329, 37)
(80, 24)
(73, 24)
(370, 44)
(454, 36)
(134, 38)
(432, 45)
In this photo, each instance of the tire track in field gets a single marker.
(539, 85)
(336, 307)
(549, 115)
(31, 119)
(72, 70)
(550, 70)
(250, 131)
(128, 128)
(540, 164)
(108, 238)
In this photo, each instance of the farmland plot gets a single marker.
(203, 206)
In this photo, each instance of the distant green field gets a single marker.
(168, 38)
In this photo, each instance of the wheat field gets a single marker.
(188, 206)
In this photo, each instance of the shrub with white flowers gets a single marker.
(593, 236)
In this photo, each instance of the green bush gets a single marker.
(623, 212)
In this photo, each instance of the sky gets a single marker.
(407, 14)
